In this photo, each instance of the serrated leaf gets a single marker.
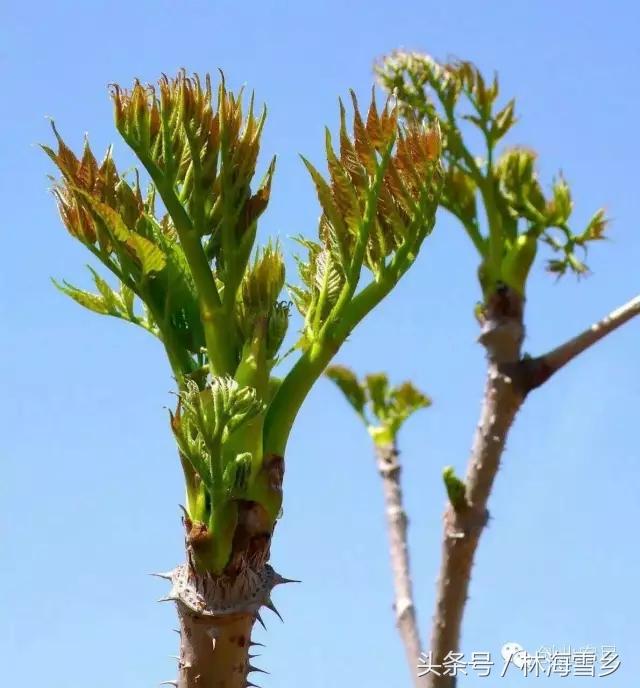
(325, 196)
(151, 257)
(127, 297)
(111, 299)
(328, 278)
(93, 302)
(111, 219)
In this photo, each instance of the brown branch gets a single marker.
(502, 337)
(389, 469)
(540, 369)
(509, 379)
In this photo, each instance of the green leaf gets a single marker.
(348, 384)
(111, 218)
(237, 473)
(127, 296)
(455, 487)
(151, 257)
(94, 302)
(112, 300)
(328, 279)
(503, 121)
(407, 399)
(378, 389)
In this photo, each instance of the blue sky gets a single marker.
(91, 482)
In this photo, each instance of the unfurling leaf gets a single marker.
(236, 474)
(455, 487)
(378, 201)
(508, 187)
(94, 302)
(263, 281)
(389, 406)
(206, 419)
(377, 385)
(200, 151)
(348, 384)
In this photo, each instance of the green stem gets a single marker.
(291, 395)
(180, 360)
(365, 301)
(494, 222)
(355, 268)
(222, 358)
(298, 382)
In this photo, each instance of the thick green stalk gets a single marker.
(494, 221)
(217, 331)
(290, 396)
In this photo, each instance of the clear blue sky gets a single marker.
(90, 480)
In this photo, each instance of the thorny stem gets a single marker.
(542, 368)
(502, 337)
(214, 655)
(509, 379)
(390, 469)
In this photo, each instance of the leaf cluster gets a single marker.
(181, 255)
(383, 408)
(378, 204)
(457, 96)
(204, 422)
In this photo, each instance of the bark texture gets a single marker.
(216, 616)
(217, 612)
(502, 337)
(509, 379)
(538, 370)
(214, 653)
(390, 470)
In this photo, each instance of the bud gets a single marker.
(277, 328)
(559, 208)
(261, 286)
(236, 474)
(596, 228)
(455, 487)
(503, 121)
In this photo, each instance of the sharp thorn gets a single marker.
(167, 599)
(248, 684)
(269, 605)
(281, 580)
(169, 683)
(165, 575)
(253, 668)
(174, 657)
(252, 656)
(176, 630)
(254, 644)
(259, 618)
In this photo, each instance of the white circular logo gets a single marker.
(514, 653)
